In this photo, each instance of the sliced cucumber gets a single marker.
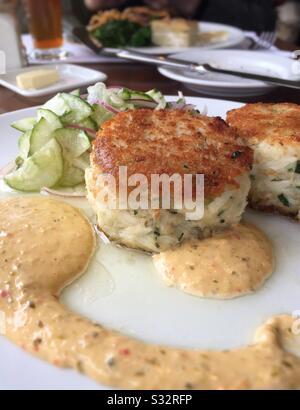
(50, 116)
(158, 97)
(24, 125)
(24, 145)
(154, 94)
(73, 142)
(89, 123)
(76, 92)
(128, 94)
(100, 114)
(74, 170)
(72, 176)
(82, 162)
(42, 134)
(79, 109)
(43, 169)
(58, 105)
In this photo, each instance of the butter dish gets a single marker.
(71, 77)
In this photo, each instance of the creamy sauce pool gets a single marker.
(44, 245)
(232, 263)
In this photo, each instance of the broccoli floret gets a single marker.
(121, 33)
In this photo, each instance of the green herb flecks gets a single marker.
(180, 237)
(156, 232)
(236, 154)
(111, 361)
(297, 169)
(283, 199)
(19, 162)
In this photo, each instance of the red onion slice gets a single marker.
(89, 131)
(115, 88)
(190, 107)
(181, 106)
(175, 105)
(102, 235)
(7, 169)
(108, 107)
(63, 194)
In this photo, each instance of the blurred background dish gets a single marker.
(156, 31)
(224, 85)
(211, 36)
(47, 26)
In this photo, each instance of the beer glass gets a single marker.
(45, 20)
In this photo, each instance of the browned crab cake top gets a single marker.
(272, 123)
(172, 141)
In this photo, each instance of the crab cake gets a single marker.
(273, 132)
(169, 142)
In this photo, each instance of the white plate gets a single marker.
(225, 85)
(235, 36)
(71, 77)
(132, 299)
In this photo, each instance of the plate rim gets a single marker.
(167, 96)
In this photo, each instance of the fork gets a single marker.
(264, 41)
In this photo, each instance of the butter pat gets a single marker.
(37, 79)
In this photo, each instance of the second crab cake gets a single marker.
(169, 142)
(273, 132)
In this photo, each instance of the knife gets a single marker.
(82, 34)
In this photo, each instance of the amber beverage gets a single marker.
(46, 23)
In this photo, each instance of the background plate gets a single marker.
(226, 85)
(128, 295)
(235, 36)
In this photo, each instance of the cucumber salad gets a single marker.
(54, 147)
